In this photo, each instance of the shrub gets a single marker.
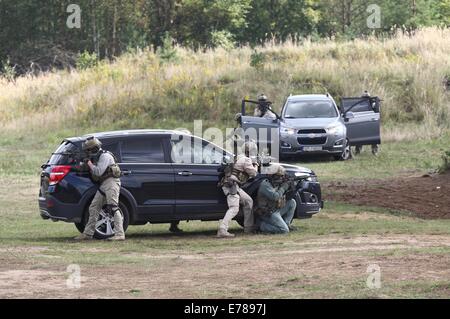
(257, 60)
(167, 52)
(8, 71)
(445, 166)
(87, 60)
(222, 39)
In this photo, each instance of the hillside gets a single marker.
(141, 89)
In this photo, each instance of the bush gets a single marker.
(257, 60)
(445, 166)
(8, 71)
(167, 52)
(222, 39)
(87, 60)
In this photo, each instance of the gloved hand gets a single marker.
(284, 187)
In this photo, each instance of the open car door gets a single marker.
(264, 130)
(362, 119)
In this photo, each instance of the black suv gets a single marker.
(156, 187)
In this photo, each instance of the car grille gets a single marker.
(312, 141)
(312, 131)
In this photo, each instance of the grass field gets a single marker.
(327, 258)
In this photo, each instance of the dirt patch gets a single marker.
(319, 267)
(426, 196)
(27, 283)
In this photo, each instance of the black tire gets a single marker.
(80, 226)
(346, 154)
(100, 234)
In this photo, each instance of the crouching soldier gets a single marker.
(273, 211)
(105, 171)
(238, 173)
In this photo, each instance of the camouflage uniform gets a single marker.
(108, 194)
(273, 211)
(242, 171)
(267, 115)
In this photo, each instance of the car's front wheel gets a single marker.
(104, 227)
(346, 153)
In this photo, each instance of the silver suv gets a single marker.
(314, 124)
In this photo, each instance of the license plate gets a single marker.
(312, 148)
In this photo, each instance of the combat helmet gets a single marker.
(92, 145)
(263, 98)
(275, 169)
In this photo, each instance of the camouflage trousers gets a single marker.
(234, 202)
(108, 194)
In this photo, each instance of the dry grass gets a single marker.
(140, 90)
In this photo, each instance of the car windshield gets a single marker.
(310, 109)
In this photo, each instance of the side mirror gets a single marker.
(349, 115)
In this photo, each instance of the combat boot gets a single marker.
(222, 233)
(174, 229)
(250, 230)
(115, 237)
(83, 237)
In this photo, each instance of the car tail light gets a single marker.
(58, 173)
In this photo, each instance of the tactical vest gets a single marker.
(111, 171)
(241, 176)
(227, 180)
(266, 206)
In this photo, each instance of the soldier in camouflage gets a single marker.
(105, 171)
(264, 108)
(273, 212)
(241, 171)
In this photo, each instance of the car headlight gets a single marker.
(287, 130)
(308, 177)
(335, 130)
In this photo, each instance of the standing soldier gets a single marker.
(237, 174)
(264, 108)
(105, 171)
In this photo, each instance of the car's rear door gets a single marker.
(148, 176)
(364, 127)
(196, 166)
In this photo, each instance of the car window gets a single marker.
(142, 150)
(190, 150)
(310, 109)
(362, 106)
(112, 147)
(67, 153)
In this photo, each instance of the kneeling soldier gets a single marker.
(105, 171)
(274, 213)
(241, 171)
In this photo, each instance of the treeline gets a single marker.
(36, 35)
